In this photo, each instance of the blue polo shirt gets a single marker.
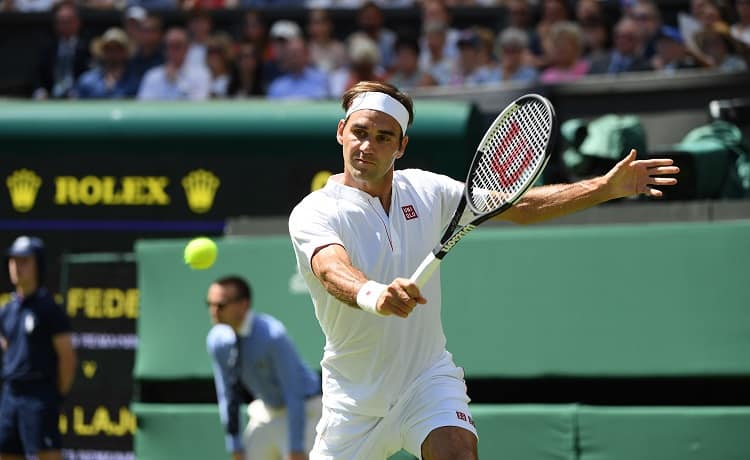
(28, 325)
(271, 368)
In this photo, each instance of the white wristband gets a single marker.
(368, 295)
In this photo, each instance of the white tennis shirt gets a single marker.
(368, 359)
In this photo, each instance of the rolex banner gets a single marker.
(102, 302)
(57, 191)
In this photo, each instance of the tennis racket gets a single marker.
(509, 159)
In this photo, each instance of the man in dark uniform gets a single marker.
(39, 361)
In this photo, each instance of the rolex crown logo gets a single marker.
(23, 186)
(200, 188)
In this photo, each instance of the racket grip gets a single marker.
(425, 270)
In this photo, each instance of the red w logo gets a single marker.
(521, 148)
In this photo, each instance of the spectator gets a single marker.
(512, 45)
(299, 80)
(567, 63)
(589, 9)
(596, 38)
(326, 52)
(433, 59)
(472, 68)
(364, 64)
(647, 16)
(63, 61)
(718, 49)
(282, 31)
(553, 12)
(219, 61)
(371, 22)
(436, 18)
(132, 21)
(149, 50)
(406, 73)
(671, 52)
(741, 28)
(247, 77)
(626, 55)
(519, 15)
(174, 80)
(255, 31)
(111, 78)
(200, 25)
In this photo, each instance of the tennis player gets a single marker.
(388, 380)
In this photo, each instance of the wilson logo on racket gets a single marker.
(520, 150)
(455, 238)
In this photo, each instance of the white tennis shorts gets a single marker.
(437, 399)
(267, 434)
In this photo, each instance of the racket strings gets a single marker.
(512, 152)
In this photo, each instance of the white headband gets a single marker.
(382, 103)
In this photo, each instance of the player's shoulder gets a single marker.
(220, 336)
(315, 206)
(421, 179)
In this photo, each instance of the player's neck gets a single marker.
(381, 189)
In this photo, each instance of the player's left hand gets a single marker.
(297, 456)
(634, 177)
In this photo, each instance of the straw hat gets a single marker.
(112, 35)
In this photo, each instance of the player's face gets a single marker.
(22, 270)
(223, 305)
(372, 142)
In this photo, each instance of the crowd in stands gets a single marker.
(545, 41)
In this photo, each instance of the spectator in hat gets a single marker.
(280, 33)
(39, 361)
(132, 21)
(300, 80)
(717, 49)
(471, 68)
(671, 52)
(174, 80)
(111, 78)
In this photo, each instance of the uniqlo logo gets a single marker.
(409, 212)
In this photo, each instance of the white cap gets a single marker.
(136, 12)
(284, 29)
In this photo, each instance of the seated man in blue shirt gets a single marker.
(39, 360)
(252, 352)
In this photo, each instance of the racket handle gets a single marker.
(425, 270)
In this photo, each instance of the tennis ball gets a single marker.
(200, 253)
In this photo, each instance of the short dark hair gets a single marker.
(376, 86)
(240, 285)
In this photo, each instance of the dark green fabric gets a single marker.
(593, 146)
(663, 433)
(722, 160)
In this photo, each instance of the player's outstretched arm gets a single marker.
(629, 177)
(342, 280)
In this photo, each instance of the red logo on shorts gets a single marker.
(409, 212)
(465, 418)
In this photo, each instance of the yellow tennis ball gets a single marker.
(200, 253)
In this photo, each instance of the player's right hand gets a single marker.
(400, 298)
